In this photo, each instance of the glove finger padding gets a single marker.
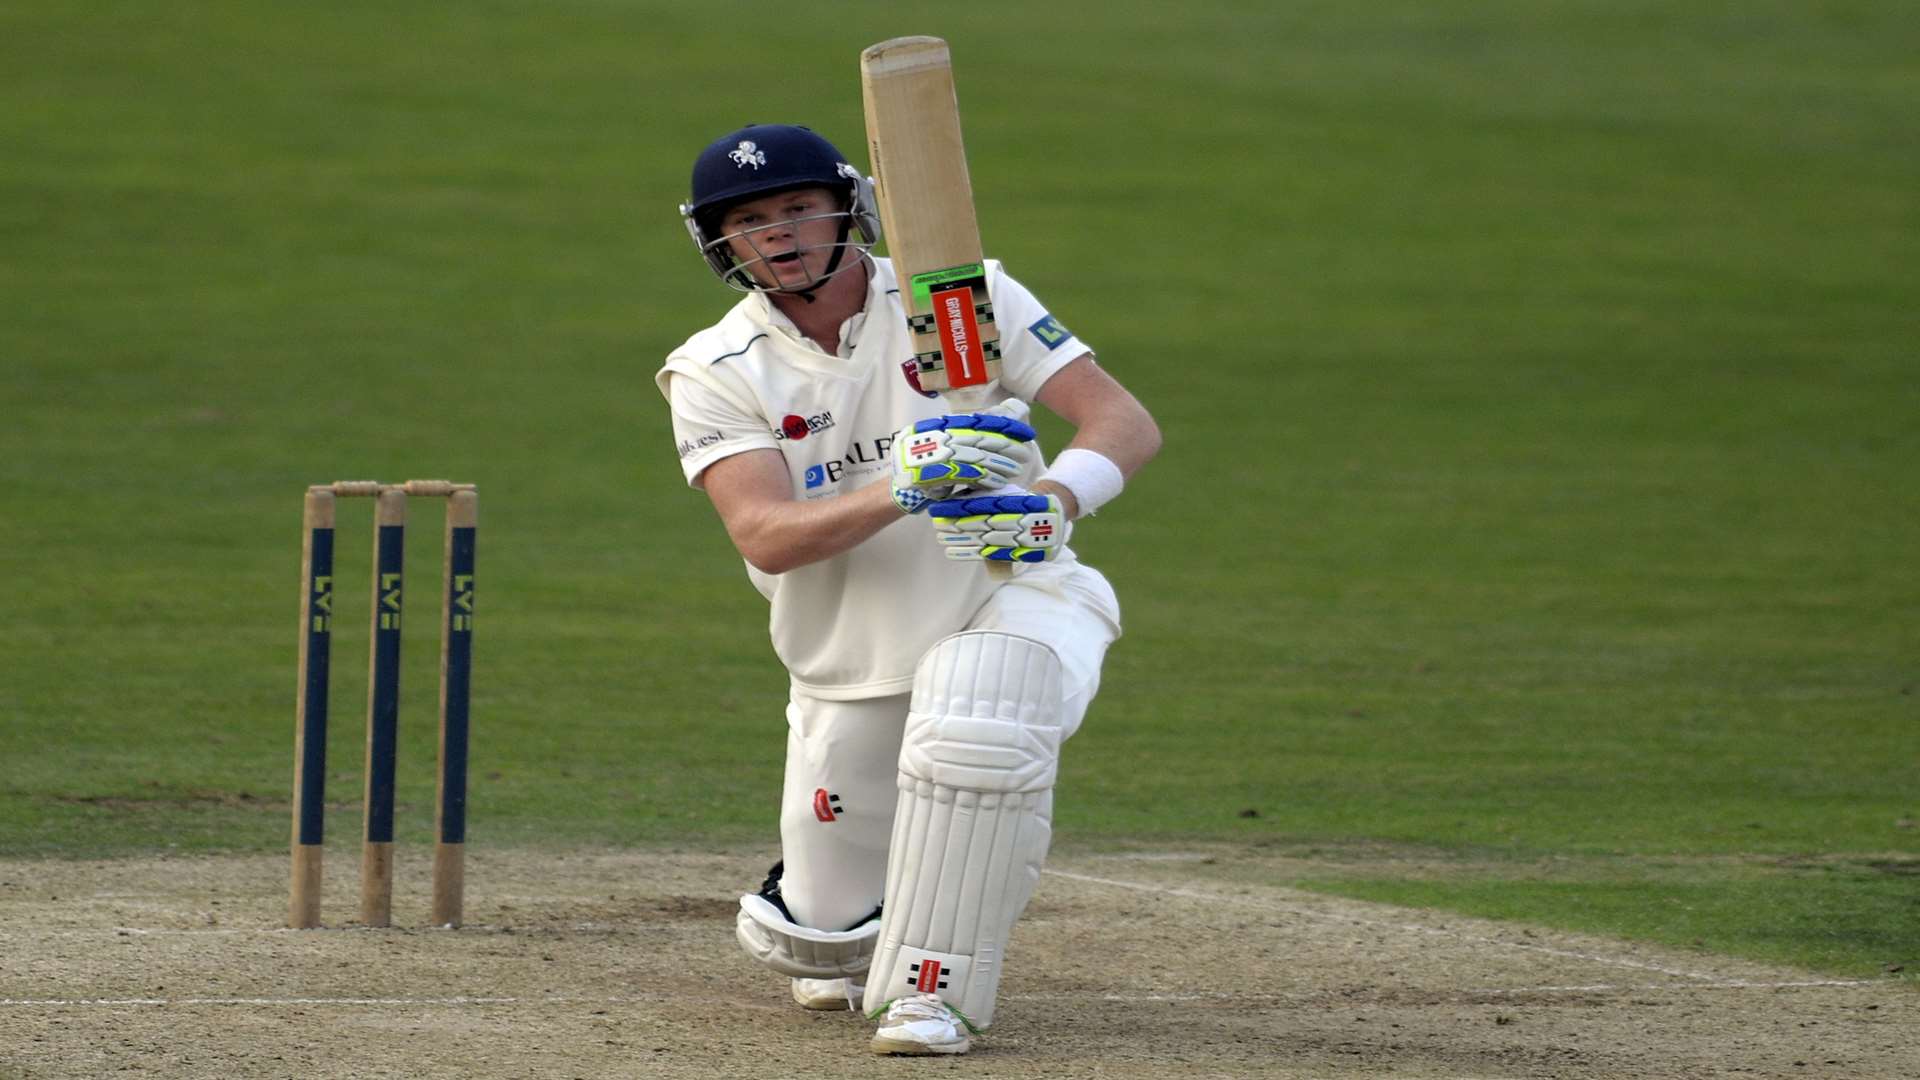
(1018, 527)
(1013, 429)
(942, 456)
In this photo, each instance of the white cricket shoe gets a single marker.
(922, 1024)
(828, 995)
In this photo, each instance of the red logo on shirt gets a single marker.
(826, 805)
(799, 427)
(911, 369)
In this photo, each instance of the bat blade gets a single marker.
(919, 164)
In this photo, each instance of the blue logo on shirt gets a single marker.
(816, 475)
(1049, 331)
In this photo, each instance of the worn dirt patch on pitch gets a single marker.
(1145, 965)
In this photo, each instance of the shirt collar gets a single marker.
(767, 314)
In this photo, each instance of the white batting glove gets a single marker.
(1004, 527)
(945, 456)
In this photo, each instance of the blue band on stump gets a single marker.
(383, 719)
(459, 667)
(319, 641)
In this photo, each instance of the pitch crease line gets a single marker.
(1653, 988)
(346, 1002)
(1567, 954)
(469, 930)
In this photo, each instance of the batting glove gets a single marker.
(1016, 527)
(945, 456)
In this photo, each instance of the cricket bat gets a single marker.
(926, 211)
(920, 179)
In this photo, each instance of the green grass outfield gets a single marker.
(1536, 534)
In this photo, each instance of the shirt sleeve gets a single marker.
(1033, 344)
(709, 426)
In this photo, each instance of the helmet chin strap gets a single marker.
(839, 252)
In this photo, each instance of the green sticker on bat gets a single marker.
(924, 284)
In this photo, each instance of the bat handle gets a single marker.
(976, 399)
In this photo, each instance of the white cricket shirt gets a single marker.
(852, 626)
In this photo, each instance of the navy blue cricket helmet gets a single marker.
(764, 159)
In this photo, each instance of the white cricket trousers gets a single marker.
(836, 814)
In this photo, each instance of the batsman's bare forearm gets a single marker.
(1106, 418)
(776, 532)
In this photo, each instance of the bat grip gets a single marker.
(977, 399)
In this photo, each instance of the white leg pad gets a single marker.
(974, 818)
(802, 951)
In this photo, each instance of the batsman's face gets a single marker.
(785, 240)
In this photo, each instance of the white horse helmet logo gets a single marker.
(748, 153)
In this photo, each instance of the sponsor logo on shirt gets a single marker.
(866, 456)
(1049, 331)
(798, 427)
(699, 442)
(826, 805)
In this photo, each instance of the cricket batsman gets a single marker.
(928, 698)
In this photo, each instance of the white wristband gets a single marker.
(1092, 477)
